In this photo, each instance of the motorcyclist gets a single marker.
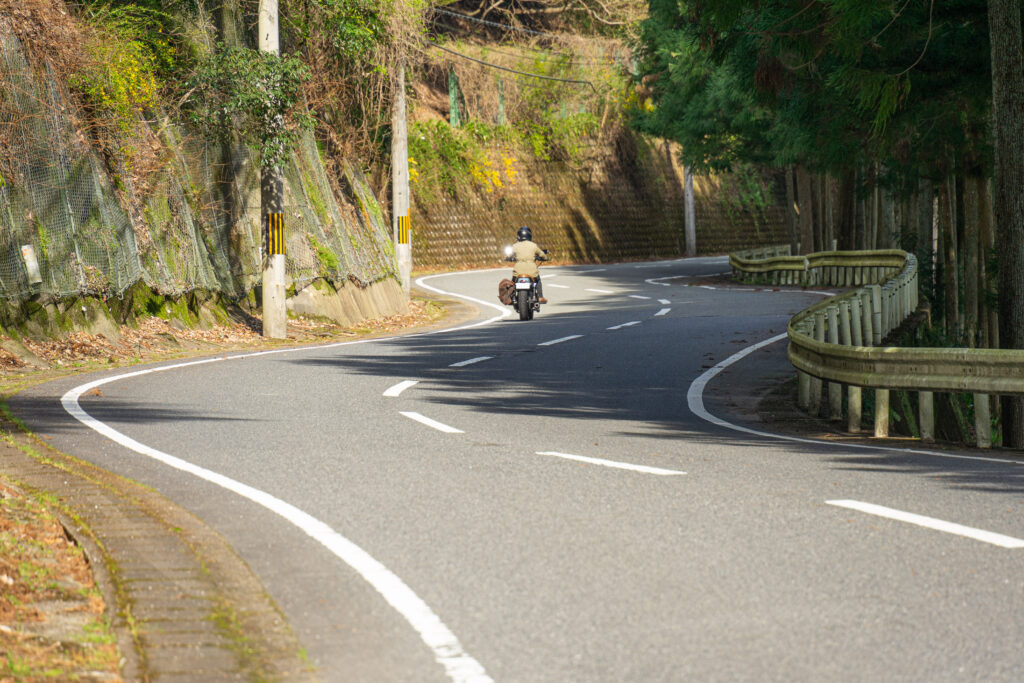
(526, 253)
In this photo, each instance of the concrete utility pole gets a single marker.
(691, 213)
(275, 318)
(400, 182)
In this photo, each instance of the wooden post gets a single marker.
(982, 421)
(816, 385)
(835, 389)
(926, 415)
(881, 413)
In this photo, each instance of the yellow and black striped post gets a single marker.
(275, 233)
(403, 230)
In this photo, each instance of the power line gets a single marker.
(505, 68)
(604, 61)
(495, 24)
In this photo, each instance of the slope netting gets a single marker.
(196, 224)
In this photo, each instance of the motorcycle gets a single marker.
(520, 294)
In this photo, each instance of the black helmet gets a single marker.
(524, 234)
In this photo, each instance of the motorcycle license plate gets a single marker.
(523, 284)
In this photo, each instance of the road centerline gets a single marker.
(439, 426)
(614, 464)
(930, 523)
(471, 361)
(560, 340)
(397, 389)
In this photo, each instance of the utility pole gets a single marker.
(275, 318)
(691, 213)
(400, 182)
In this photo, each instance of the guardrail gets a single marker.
(836, 343)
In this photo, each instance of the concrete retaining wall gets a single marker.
(623, 206)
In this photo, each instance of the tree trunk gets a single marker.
(987, 280)
(846, 231)
(972, 221)
(951, 289)
(873, 240)
(791, 211)
(819, 213)
(831, 191)
(805, 199)
(1004, 18)
(925, 251)
(887, 221)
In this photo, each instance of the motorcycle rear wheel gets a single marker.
(523, 304)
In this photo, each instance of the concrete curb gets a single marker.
(183, 605)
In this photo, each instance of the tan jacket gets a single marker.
(526, 254)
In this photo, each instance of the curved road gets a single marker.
(548, 501)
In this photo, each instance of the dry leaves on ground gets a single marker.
(154, 337)
(52, 624)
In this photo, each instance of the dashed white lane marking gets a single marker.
(664, 302)
(560, 340)
(613, 463)
(595, 270)
(931, 523)
(637, 296)
(663, 311)
(439, 426)
(629, 324)
(600, 291)
(464, 363)
(400, 387)
(551, 284)
(657, 280)
(447, 649)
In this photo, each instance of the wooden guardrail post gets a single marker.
(816, 384)
(856, 322)
(982, 421)
(876, 315)
(867, 318)
(926, 415)
(835, 389)
(881, 412)
(853, 393)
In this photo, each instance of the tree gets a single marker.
(1008, 126)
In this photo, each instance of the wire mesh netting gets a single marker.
(72, 223)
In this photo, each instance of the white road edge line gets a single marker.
(552, 284)
(397, 389)
(930, 523)
(464, 363)
(439, 426)
(637, 296)
(695, 401)
(612, 463)
(663, 311)
(619, 327)
(446, 647)
(599, 291)
(560, 340)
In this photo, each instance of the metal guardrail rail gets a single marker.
(836, 344)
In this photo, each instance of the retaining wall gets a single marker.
(625, 202)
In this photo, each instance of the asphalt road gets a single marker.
(537, 501)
